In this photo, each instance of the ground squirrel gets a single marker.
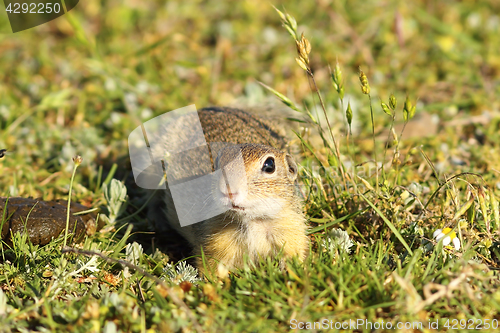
(255, 190)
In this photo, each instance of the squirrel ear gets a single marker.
(292, 167)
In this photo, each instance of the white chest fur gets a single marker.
(262, 239)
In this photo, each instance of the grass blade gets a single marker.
(389, 224)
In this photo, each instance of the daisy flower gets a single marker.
(449, 237)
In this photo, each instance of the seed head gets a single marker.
(289, 23)
(283, 17)
(348, 113)
(77, 159)
(412, 111)
(392, 102)
(365, 87)
(291, 20)
(301, 63)
(337, 72)
(336, 76)
(385, 108)
(306, 43)
(303, 49)
(408, 109)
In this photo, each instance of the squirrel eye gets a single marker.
(269, 165)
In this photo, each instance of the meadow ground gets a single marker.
(81, 83)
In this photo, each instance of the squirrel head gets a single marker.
(256, 181)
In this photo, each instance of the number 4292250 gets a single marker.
(33, 8)
(472, 324)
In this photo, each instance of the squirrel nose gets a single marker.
(231, 196)
(226, 190)
(232, 191)
(233, 183)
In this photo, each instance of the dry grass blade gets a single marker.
(446, 182)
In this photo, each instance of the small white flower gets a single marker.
(182, 271)
(338, 239)
(133, 253)
(449, 237)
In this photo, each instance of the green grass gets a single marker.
(82, 83)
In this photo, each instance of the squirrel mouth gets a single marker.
(234, 207)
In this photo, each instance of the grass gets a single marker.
(81, 83)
